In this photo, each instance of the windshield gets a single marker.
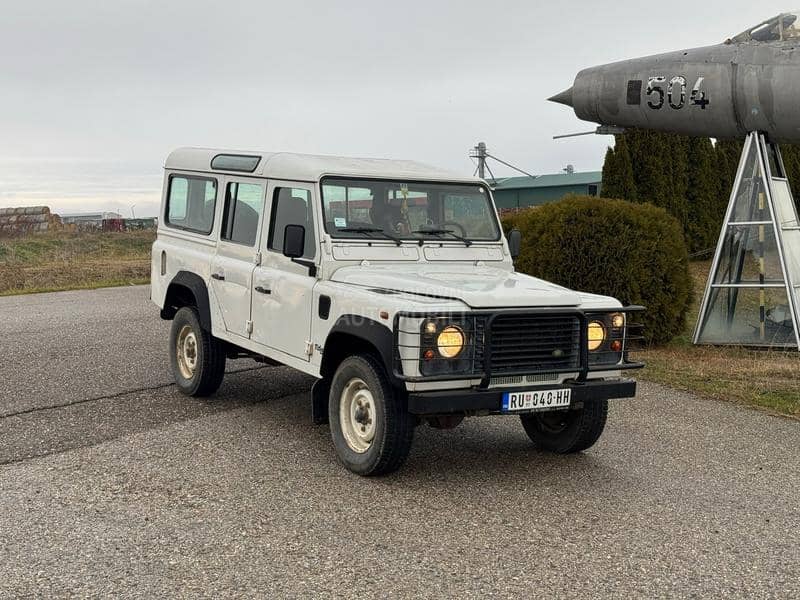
(357, 208)
(782, 28)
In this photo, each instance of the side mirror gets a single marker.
(514, 239)
(294, 241)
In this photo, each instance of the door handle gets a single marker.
(262, 290)
(218, 276)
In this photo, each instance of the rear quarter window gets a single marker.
(191, 203)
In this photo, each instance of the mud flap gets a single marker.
(319, 401)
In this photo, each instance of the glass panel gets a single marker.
(292, 206)
(233, 162)
(751, 196)
(749, 252)
(784, 204)
(748, 316)
(787, 219)
(408, 210)
(178, 194)
(243, 205)
(472, 216)
(784, 27)
(191, 203)
(747, 303)
(773, 156)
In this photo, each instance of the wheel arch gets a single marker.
(353, 335)
(187, 289)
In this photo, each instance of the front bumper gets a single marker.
(491, 400)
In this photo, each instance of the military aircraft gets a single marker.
(750, 83)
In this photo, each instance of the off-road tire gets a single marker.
(394, 426)
(210, 356)
(576, 430)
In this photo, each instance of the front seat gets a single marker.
(292, 210)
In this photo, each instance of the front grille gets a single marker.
(534, 343)
(539, 378)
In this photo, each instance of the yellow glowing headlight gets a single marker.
(597, 335)
(450, 342)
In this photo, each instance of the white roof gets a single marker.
(308, 167)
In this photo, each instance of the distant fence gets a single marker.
(28, 220)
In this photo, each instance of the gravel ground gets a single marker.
(112, 483)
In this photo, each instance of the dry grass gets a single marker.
(762, 378)
(66, 261)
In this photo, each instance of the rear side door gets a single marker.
(238, 252)
(283, 289)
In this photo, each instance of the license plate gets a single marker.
(536, 401)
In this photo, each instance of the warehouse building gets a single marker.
(521, 192)
(89, 220)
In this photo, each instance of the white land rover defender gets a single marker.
(389, 281)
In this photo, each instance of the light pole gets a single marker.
(133, 214)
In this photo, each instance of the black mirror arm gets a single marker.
(309, 264)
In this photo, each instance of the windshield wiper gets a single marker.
(441, 232)
(371, 230)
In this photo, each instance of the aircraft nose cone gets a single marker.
(564, 98)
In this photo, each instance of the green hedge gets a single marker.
(633, 252)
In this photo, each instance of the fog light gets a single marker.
(450, 342)
(430, 327)
(618, 321)
(596, 335)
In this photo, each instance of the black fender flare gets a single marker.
(373, 332)
(197, 286)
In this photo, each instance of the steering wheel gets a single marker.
(450, 224)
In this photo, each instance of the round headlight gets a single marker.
(450, 342)
(618, 321)
(597, 335)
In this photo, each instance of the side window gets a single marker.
(291, 206)
(191, 202)
(243, 205)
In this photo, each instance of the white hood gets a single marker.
(478, 287)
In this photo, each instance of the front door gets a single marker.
(232, 266)
(282, 297)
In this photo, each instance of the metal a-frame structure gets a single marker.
(751, 298)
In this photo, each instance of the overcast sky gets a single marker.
(95, 93)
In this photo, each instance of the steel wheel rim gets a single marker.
(186, 348)
(357, 415)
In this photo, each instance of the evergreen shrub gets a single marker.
(633, 252)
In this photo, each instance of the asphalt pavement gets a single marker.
(113, 484)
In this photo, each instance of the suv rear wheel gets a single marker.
(567, 432)
(197, 357)
(371, 428)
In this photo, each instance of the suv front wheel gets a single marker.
(197, 357)
(567, 432)
(371, 428)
